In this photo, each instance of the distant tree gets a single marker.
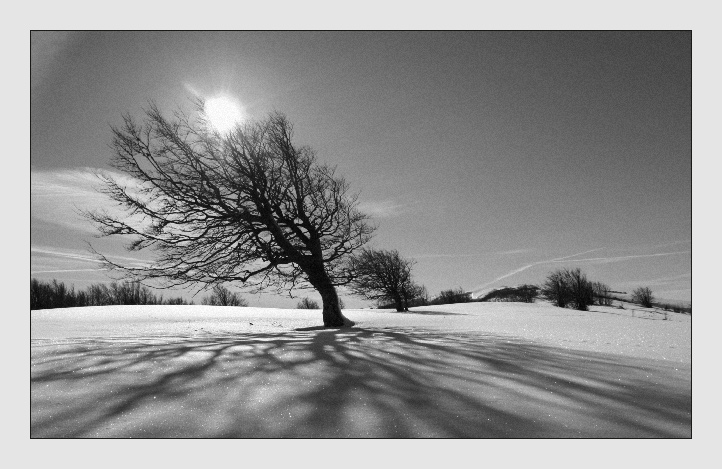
(452, 296)
(556, 289)
(39, 295)
(48, 295)
(643, 296)
(221, 296)
(52, 295)
(582, 290)
(307, 303)
(384, 276)
(520, 294)
(569, 287)
(131, 293)
(419, 296)
(601, 294)
(245, 206)
(99, 295)
(176, 301)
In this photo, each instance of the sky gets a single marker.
(490, 158)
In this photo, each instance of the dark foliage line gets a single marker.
(674, 307)
(54, 294)
(521, 294)
(451, 296)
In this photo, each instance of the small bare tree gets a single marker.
(556, 289)
(568, 287)
(307, 303)
(384, 276)
(248, 206)
(643, 296)
(452, 295)
(415, 295)
(221, 296)
(601, 294)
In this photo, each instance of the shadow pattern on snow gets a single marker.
(350, 383)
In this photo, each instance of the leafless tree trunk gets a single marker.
(248, 206)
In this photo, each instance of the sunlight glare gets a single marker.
(223, 113)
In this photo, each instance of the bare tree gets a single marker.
(307, 303)
(581, 288)
(451, 296)
(643, 296)
(556, 290)
(248, 206)
(568, 287)
(384, 276)
(221, 296)
(415, 295)
(602, 294)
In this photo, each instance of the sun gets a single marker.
(223, 113)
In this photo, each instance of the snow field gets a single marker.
(467, 370)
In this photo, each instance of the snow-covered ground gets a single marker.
(465, 370)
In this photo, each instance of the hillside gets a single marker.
(463, 370)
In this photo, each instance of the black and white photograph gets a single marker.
(360, 234)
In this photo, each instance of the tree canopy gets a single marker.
(385, 276)
(246, 206)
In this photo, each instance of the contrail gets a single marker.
(521, 269)
(623, 258)
(64, 254)
(467, 255)
(81, 257)
(590, 259)
(68, 270)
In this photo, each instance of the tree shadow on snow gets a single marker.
(350, 383)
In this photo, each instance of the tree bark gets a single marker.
(399, 304)
(332, 315)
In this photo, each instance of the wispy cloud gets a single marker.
(674, 280)
(382, 209)
(57, 195)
